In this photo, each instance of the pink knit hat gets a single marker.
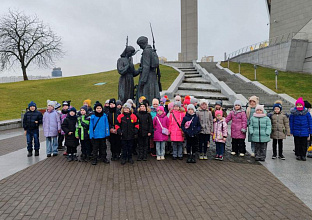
(218, 112)
(170, 105)
(300, 101)
(161, 108)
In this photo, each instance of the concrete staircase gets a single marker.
(195, 85)
(244, 88)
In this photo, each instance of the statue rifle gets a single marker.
(157, 69)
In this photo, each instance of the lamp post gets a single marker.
(276, 74)
(255, 66)
(239, 63)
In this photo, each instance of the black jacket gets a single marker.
(145, 123)
(69, 125)
(112, 117)
(195, 126)
(29, 120)
(127, 126)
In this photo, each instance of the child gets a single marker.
(145, 131)
(186, 102)
(82, 133)
(206, 123)
(51, 128)
(155, 104)
(300, 123)
(69, 128)
(98, 131)
(118, 106)
(160, 124)
(176, 134)
(260, 130)
(31, 121)
(87, 103)
(219, 134)
(280, 127)
(252, 103)
(106, 106)
(218, 106)
(127, 126)
(307, 105)
(63, 115)
(238, 128)
(191, 128)
(114, 138)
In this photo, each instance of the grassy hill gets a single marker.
(294, 84)
(16, 96)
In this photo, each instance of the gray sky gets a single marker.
(94, 32)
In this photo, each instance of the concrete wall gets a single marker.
(189, 30)
(288, 16)
(289, 56)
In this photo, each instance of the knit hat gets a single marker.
(177, 103)
(307, 104)
(97, 103)
(177, 98)
(202, 101)
(66, 103)
(118, 102)
(88, 101)
(218, 112)
(187, 100)
(190, 106)
(146, 102)
(112, 101)
(57, 105)
(72, 109)
(219, 102)
(193, 100)
(170, 106)
(261, 107)
(238, 102)
(52, 103)
(142, 103)
(277, 105)
(163, 99)
(300, 101)
(167, 101)
(142, 97)
(155, 101)
(107, 101)
(254, 98)
(32, 104)
(130, 101)
(84, 108)
(127, 105)
(161, 108)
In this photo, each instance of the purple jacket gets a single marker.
(51, 123)
(239, 124)
(158, 136)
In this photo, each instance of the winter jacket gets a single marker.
(29, 120)
(219, 131)
(280, 126)
(82, 130)
(153, 112)
(239, 124)
(102, 128)
(194, 128)
(127, 126)
(112, 118)
(145, 123)
(163, 119)
(206, 121)
(251, 111)
(63, 115)
(175, 129)
(300, 122)
(69, 125)
(51, 123)
(260, 128)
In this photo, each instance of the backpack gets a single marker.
(154, 59)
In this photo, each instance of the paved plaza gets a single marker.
(235, 188)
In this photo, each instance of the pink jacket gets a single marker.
(158, 135)
(175, 131)
(239, 124)
(219, 130)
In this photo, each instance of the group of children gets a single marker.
(151, 127)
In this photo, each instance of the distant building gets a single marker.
(57, 72)
(207, 59)
(162, 60)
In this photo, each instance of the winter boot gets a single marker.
(106, 161)
(94, 161)
(205, 157)
(201, 156)
(29, 153)
(189, 158)
(36, 153)
(123, 162)
(69, 158)
(194, 158)
(74, 157)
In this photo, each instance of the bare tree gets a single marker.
(27, 40)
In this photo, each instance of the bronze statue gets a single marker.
(127, 71)
(148, 85)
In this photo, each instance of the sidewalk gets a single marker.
(56, 189)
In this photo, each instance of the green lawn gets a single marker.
(16, 96)
(291, 83)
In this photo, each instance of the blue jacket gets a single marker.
(194, 128)
(29, 120)
(300, 122)
(102, 128)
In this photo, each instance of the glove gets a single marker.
(243, 130)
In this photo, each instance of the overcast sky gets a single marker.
(94, 32)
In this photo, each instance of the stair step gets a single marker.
(198, 87)
(196, 80)
(193, 76)
(202, 94)
(190, 73)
